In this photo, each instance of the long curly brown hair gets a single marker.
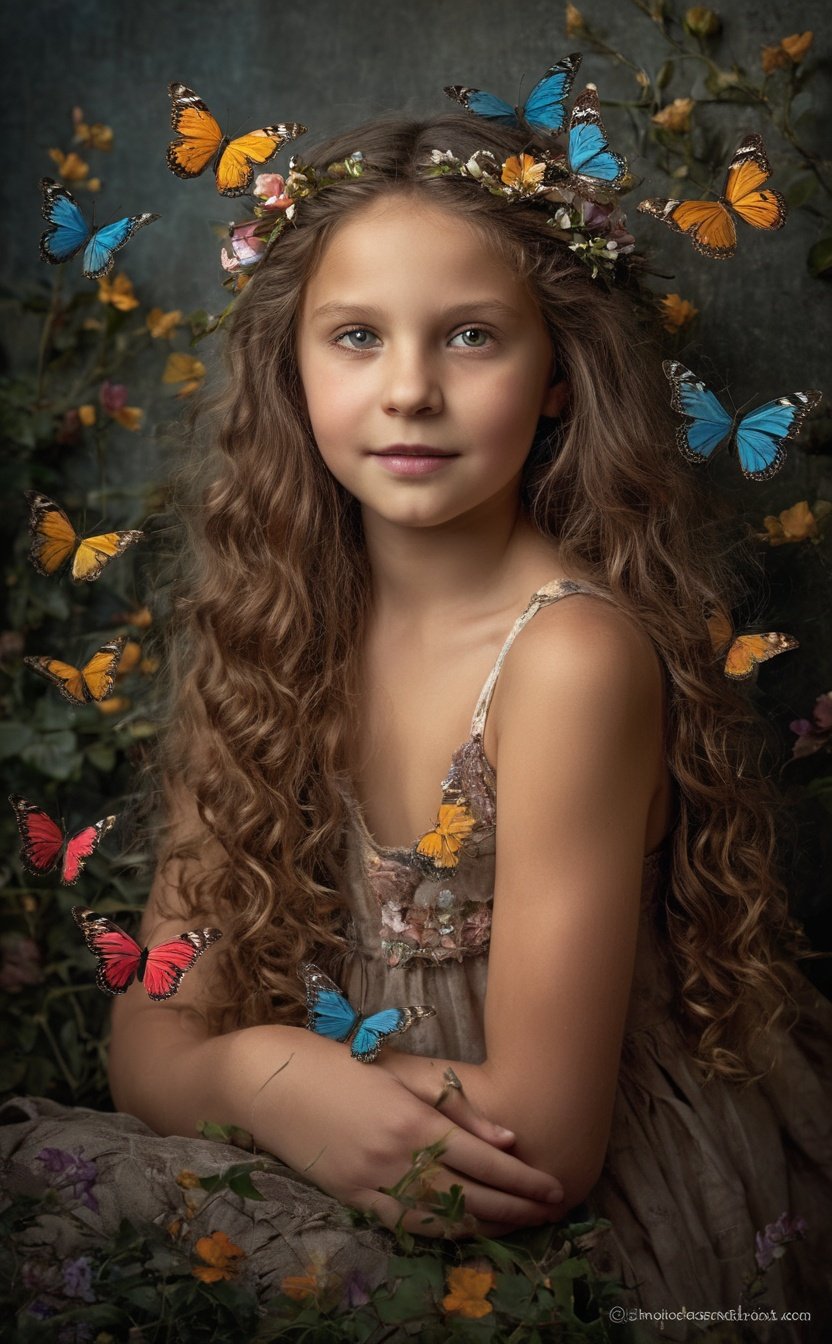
(266, 597)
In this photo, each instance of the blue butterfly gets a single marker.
(759, 438)
(543, 110)
(331, 1014)
(69, 231)
(589, 159)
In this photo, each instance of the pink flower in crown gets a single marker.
(246, 247)
(271, 189)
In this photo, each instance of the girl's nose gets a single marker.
(412, 385)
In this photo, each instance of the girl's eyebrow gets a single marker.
(470, 308)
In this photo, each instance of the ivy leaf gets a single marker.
(55, 755)
(14, 738)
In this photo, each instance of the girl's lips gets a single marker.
(412, 464)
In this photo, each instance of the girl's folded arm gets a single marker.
(579, 748)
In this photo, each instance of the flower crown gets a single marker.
(593, 228)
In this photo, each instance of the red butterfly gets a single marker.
(121, 960)
(44, 841)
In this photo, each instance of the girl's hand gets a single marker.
(353, 1128)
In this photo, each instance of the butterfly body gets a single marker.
(55, 541)
(80, 685)
(331, 1014)
(543, 110)
(121, 960)
(589, 159)
(69, 231)
(45, 846)
(202, 143)
(758, 438)
(709, 224)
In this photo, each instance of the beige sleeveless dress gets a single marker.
(692, 1173)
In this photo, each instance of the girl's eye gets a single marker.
(357, 339)
(473, 338)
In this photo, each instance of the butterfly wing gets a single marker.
(588, 155)
(762, 435)
(707, 224)
(544, 108)
(80, 846)
(442, 844)
(53, 536)
(483, 104)
(329, 1011)
(95, 552)
(68, 680)
(374, 1031)
(749, 650)
(759, 206)
(200, 134)
(100, 252)
(168, 962)
(68, 228)
(119, 955)
(237, 161)
(41, 838)
(710, 422)
(100, 672)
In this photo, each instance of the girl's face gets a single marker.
(413, 334)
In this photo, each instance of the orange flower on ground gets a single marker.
(676, 116)
(71, 167)
(677, 312)
(97, 136)
(469, 1289)
(575, 23)
(186, 1180)
(794, 524)
(184, 369)
(300, 1286)
(161, 324)
(219, 1254)
(87, 414)
(118, 292)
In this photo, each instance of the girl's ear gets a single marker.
(555, 398)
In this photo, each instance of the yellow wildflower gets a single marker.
(161, 324)
(118, 291)
(676, 116)
(114, 704)
(219, 1254)
(130, 658)
(797, 45)
(71, 167)
(702, 22)
(677, 312)
(575, 25)
(300, 1286)
(186, 1180)
(97, 136)
(469, 1289)
(523, 172)
(773, 58)
(87, 414)
(185, 369)
(129, 417)
(794, 524)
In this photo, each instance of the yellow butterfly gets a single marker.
(202, 142)
(78, 685)
(54, 540)
(442, 843)
(746, 651)
(708, 224)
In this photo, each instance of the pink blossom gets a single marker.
(271, 188)
(113, 396)
(246, 247)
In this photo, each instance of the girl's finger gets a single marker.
(472, 1157)
(459, 1109)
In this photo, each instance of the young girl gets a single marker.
(446, 721)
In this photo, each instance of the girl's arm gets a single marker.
(351, 1127)
(580, 746)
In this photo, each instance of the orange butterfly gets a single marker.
(202, 142)
(54, 540)
(746, 651)
(442, 844)
(78, 685)
(708, 224)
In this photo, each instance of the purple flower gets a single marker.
(78, 1278)
(79, 1174)
(356, 1291)
(40, 1310)
(772, 1241)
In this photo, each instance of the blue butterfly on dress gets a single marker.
(331, 1014)
(543, 110)
(69, 231)
(589, 159)
(758, 438)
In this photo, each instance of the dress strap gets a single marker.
(548, 592)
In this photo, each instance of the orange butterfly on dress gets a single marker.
(79, 685)
(54, 540)
(442, 844)
(746, 651)
(709, 224)
(203, 142)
